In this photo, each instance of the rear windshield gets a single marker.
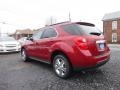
(77, 29)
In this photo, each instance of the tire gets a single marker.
(24, 55)
(61, 66)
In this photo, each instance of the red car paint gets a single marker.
(83, 51)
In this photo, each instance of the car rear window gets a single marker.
(77, 29)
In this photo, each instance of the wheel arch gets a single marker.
(22, 48)
(59, 52)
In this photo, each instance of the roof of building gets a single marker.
(25, 31)
(111, 16)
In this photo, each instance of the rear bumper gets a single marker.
(93, 67)
(92, 61)
(100, 63)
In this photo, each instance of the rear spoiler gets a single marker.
(85, 23)
(59, 23)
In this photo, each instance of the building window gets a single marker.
(114, 25)
(114, 37)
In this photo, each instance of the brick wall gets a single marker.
(107, 29)
(118, 31)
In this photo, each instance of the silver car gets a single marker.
(9, 44)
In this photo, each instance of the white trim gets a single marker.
(114, 37)
(114, 25)
(100, 41)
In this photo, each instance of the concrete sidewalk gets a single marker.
(114, 45)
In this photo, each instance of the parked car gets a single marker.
(68, 46)
(9, 44)
(22, 40)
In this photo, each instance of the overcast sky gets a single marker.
(34, 13)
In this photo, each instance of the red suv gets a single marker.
(67, 46)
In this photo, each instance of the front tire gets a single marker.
(24, 55)
(62, 67)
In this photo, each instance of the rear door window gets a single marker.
(48, 33)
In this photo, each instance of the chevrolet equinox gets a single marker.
(67, 46)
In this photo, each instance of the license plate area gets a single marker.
(101, 45)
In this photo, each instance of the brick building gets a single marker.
(111, 27)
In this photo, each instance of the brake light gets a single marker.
(81, 43)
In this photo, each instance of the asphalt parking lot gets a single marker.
(18, 75)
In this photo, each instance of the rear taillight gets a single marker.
(81, 43)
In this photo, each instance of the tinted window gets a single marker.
(90, 30)
(72, 29)
(37, 35)
(50, 32)
(76, 29)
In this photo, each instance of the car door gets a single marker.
(35, 38)
(45, 43)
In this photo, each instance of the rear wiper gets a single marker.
(95, 33)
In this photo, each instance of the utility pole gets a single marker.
(69, 17)
(51, 20)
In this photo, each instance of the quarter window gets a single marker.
(72, 29)
(77, 29)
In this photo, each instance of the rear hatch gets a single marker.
(96, 45)
(93, 36)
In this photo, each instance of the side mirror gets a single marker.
(31, 38)
(28, 38)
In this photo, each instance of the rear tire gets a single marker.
(61, 66)
(24, 55)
